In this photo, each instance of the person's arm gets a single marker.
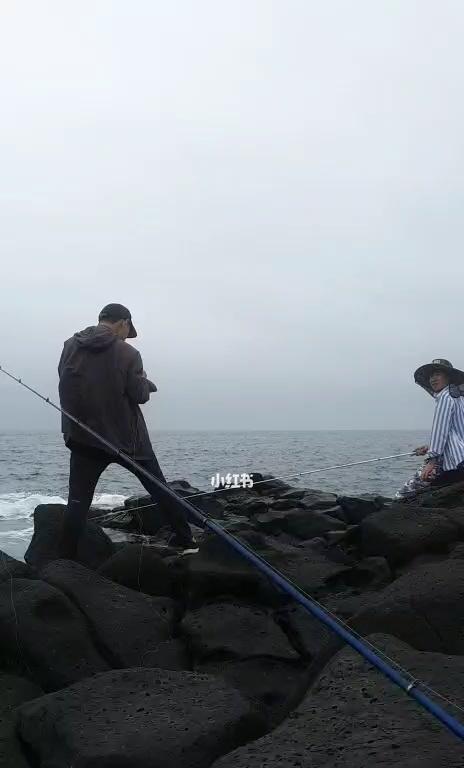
(441, 426)
(137, 385)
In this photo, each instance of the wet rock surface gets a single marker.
(212, 656)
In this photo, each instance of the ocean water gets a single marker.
(34, 467)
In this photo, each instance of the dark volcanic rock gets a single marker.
(94, 547)
(14, 569)
(139, 567)
(138, 718)
(271, 486)
(425, 608)
(306, 633)
(125, 623)
(171, 654)
(353, 716)
(307, 568)
(356, 508)
(218, 570)
(15, 691)
(298, 522)
(232, 630)
(44, 636)
(449, 496)
(318, 500)
(403, 531)
(271, 685)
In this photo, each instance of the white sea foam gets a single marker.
(20, 506)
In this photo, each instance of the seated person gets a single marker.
(445, 454)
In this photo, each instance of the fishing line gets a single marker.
(127, 510)
(409, 684)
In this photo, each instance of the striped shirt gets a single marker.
(447, 440)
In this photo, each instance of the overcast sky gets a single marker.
(275, 190)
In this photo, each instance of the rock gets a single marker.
(171, 654)
(94, 547)
(353, 716)
(126, 624)
(249, 507)
(308, 635)
(14, 569)
(336, 512)
(271, 486)
(283, 504)
(318, 500)
(403, 531)
(458, 552)
(134, 718)
(356, 508)
(15, 691)
(218, 570)
(449, 496)
(271, 685)
(370, 573)
(140, 567)
(308, 569)
(44, 636)
(297, 522)
(232, 630)
(424, 608)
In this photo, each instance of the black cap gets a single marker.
(115, 312)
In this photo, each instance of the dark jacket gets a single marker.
(101, 384)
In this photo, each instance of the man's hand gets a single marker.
(429, 471)
(421, 451)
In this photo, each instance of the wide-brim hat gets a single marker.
(423, 374)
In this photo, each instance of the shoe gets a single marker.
(191, 548)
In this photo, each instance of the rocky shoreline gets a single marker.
(135, 657)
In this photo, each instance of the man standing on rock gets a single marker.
(102, 383)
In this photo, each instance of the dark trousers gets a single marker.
(86, 466)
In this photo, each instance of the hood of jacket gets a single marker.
(95, 338)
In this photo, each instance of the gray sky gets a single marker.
(275, 189)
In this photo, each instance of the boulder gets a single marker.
(370, 573)
(298, 522)
(308, 635)
(15, 691)
(140, 567)
(272, 486)
(44, 636)
(94, 547)
(218, 570)
(125, 624)
(318, 500)
(135, 718)
(233, 630)
(353, 716)
(14, 569)
(271, 685)
(404, 531)
(424, 608)
(308, 568)
(356, 508)
(449, 496)
(170, 654)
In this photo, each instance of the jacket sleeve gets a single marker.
(441, 426)
(137, 385)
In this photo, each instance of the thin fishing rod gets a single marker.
(107, 516)
(408, 686)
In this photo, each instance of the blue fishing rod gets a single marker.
(409, 686)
